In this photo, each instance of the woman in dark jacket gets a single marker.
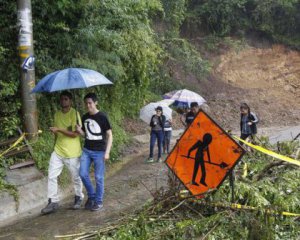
(157, 125)
(248, 122)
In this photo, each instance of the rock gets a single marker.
(289, 88)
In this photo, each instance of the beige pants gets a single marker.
(55, 168)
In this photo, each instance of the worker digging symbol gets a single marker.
(201, 146)
(204, 155)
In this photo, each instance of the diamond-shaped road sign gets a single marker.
(204, 155)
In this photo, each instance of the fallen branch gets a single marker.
(86, 236)
(210, 231)
(70, 235)
(194, 210)
(295, 138)
(172, 209)
(147, 189)
(267, 168)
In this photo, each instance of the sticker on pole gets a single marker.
(204, 155)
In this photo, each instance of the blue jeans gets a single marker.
(159, 135)
(167, 140)
(86, 159)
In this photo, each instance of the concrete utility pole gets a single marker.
(25, 45)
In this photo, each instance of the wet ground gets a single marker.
(125, 191)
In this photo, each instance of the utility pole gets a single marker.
(25, 46)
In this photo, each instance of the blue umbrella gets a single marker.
(70, 78)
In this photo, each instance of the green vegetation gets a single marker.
(271, 187)
(138, 44)
(274, 19)
(117, 39)
(4, 186)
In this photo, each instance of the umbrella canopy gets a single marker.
(183, 98)
(147, 111)
(166, 102)
(70, 78)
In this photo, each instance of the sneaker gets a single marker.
(150, 160)
(160, 160)
(77, 202)
(97, 207)
(50, 208)
(89, 204)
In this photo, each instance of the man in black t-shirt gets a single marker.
(97, 132)
(189, 116)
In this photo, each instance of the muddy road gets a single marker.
(125, 191)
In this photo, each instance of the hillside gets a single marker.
(266, 78)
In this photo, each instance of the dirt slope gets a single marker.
(268, 79)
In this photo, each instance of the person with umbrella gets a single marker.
(97, 132)
(157, 124)
(189, 116)
(71, 78)
(67, 151)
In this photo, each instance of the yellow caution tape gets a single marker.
(183, 193)
(239, 206)
(38, 132)
(20, 139)
(245, 168)
(270, 153)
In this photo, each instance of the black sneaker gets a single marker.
(89, 204)
(50, 208)
(97, 207)
(77, 202)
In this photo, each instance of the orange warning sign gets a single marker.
(204, 155)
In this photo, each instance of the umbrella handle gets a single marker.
(76, 112)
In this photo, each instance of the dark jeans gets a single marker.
(245, 136)
(167, 140)
(159, 135)
(97, 157)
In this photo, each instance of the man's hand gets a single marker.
(79, 129)
(109, 144)
(249, 123)
(54, 129)
(106, 156)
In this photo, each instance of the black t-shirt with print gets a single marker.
(189, 117)
(95, 127)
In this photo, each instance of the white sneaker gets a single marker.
(150, 160)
